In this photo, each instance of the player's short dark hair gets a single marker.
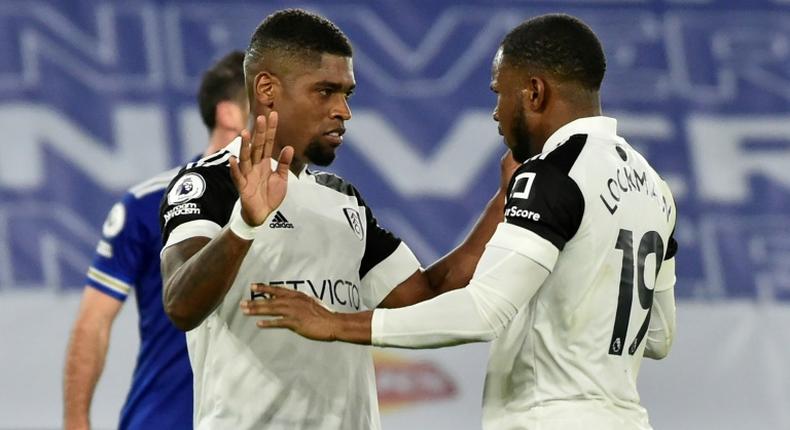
(296, 33)
(224, 81)
(560, 45)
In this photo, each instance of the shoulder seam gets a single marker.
(337, 184)
(212, 160)
(564, 156)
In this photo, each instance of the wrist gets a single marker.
(351, 327)
(239, 226)
(335, 325)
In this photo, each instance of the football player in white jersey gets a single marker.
(576, 284)
(227, 223)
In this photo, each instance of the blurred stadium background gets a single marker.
(96, 96)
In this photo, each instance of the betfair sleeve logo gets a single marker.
(188, 187)
(522, 185)
(516, 212)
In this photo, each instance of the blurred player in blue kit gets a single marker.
(127, 258)
(576, 285)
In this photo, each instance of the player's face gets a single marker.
(509, 111)
(313, 109)
(241, 116)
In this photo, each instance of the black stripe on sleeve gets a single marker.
(672, 247)
(379, 242)
(565, 155)
(546, 201)
(213, 203)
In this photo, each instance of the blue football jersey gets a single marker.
(127, 258)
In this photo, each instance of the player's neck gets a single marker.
(219, 138)
(566, 112)
(297, 166)
(297, 163)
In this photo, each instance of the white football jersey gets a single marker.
(322, 241)
(570, 357)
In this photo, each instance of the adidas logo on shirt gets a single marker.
(279, 221)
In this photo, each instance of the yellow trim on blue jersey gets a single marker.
(108, 281)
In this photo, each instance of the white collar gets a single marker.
(596, 125)
(300, 176)
(235, 146)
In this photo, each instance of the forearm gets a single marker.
(84, 364)
(200, 282)
(661, 330)
(455, 269)
(504, 282)
(353, 327)
(449, 319)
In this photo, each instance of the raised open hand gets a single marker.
(260, 188)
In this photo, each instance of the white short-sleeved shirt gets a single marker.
(323, 241)
(600, 219)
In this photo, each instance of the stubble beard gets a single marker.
(319, 154)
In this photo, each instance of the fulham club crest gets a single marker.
(352, 216)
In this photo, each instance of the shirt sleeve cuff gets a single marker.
(377, 326)
(526, 243)
(197, 228)
(666, 276)
(388, 274)
(108, 284)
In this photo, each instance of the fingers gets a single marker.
(272, 291)
(284, 162)
(258, 139)
(270, 131)
(263, 137)
(277, 323)
(244, 153)
(277, 302)
(264, 308)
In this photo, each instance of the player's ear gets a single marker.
(265, 84)
(533, 96)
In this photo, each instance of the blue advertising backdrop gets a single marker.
(97, 96)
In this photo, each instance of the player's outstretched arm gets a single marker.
(307, 316)
(661, 331)
(198, 272)
(85, 356)
(503, 283)
(455, 269)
